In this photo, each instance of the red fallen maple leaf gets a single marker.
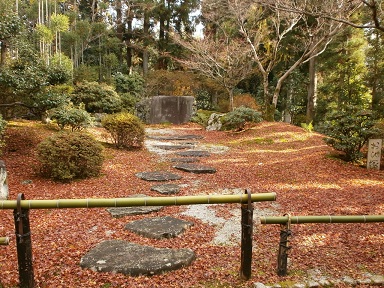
(294, 164)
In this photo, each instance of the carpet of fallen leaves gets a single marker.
(270, 157)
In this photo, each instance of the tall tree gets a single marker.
(271, 30)
(10, 27)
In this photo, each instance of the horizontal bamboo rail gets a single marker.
(143, 201)
(321, 219)
(4, 241)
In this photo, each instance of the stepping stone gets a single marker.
(166, 189)
(176, 137)
(118, 212)
(158, 228)
(173, 147)
(157, 176)
(118, 256)
(194, 168)
(184, 160)
(193, 153)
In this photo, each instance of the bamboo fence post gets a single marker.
(282, 256)
(23, 245)
(246, 238)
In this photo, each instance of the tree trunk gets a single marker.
(161, 44)
(269, 110)
(129, 44)
(3, 53)
(312, 91)
(119, 31)
(146, 26)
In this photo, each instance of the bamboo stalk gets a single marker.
(143, 201)
(4, 241)
(322, 219)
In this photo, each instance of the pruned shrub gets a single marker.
(75, 118)
(236, 119)
(348, 131)
(70, 155)
(97, 98)
(126, 130)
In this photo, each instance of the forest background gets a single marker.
(291, 60)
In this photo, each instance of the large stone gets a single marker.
(118, 256)
(118, 212)
(157, 176)
(193, 153)
(214, 122)
(166, 189)
(194, 168)
(171, 109)
(157, 228)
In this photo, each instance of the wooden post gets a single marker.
(282, 258)
(246, 238)
(23, 245)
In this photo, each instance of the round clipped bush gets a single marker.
(126, 130)
(236, 119)
(70, 155)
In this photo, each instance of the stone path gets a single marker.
(120, 256)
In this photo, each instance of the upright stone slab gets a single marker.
(374, 153)
(172, 109)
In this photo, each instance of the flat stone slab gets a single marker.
(158, 228)
(193, 153)
(166, 189)
(173, 147)
(157, 176)
(118, 256)
(195, 168)
(118, 212)
(184, 160)
(176, 137)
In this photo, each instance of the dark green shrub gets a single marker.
(236, 119)
(126, 130)
(348, 131)
(72, 117)
(70, 155)
(201, 117)
(203, 100)
(133, 84)
(97, 98)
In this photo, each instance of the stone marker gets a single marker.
(157, 176)
(194, 168)
(120, 256)
(374, 153)
(158, 228)
(166, 189)
(118, 212)
(193, 153)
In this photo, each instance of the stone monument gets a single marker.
(171, 109)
